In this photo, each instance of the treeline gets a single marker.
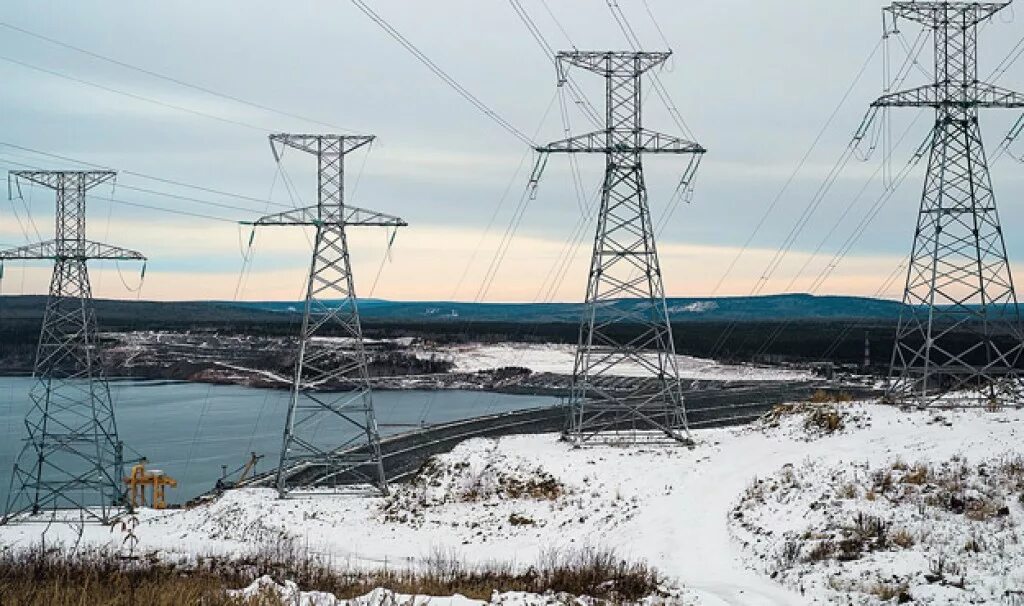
(763, 342)
(837, 341)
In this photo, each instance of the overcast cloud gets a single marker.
(755, 80)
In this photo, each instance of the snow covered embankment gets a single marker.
(833, 499)
(928, 521)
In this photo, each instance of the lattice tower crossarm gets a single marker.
(324, 366)
(626, 320)
(959, 340)
(72, 457)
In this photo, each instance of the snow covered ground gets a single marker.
(289, 593)
(516, 498)
(559, 358)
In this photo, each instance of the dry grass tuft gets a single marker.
(820, 417)
(847, 491)
(57, 578)
(886, 592)
(902, 538)
(835, 397)
(50, 578)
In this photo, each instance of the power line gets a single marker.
(558, 24)
(563, 262)
(440, 73)
(135, 96)
(154, 178)
(195, 200)
(136, 204)
(168, 194)
(804, 218)
(890, 187)
(500, 205)
(28, 212)
(879, 292)
(657, 26)
(504, 244)
(799, 167)
(808, 211)
(849, 207)
(172, 79)
(659, 87)
(172, 211)
(858, 231)
(911, 61)
(578, 96)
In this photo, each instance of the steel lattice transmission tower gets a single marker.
(624, 266)
(330, 308)
(72, 455)
(959, 330)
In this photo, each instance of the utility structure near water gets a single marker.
(72, 457)
(959, 339)
(330, 309)
(624, 266)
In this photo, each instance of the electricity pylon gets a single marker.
(330, 308)
(72, 458)
(959, 338)
(626, 320)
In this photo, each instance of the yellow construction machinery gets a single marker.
(141, 478)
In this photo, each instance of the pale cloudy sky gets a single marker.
(755, 79)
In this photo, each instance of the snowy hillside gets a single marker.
(856, 504)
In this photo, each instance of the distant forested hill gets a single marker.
(755, 309)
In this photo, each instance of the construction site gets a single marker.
(629, 372)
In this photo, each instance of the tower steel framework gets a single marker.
(959, 339)
(626, 320)
(72, 457)
(330, 308)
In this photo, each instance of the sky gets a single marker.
(755, 80)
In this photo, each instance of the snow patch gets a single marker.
(289, 593)
(559, 358)
(697, 307)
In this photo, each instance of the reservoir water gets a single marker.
(190, 430)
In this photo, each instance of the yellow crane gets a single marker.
(141, 478)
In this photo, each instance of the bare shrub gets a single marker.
(822, 396)
(789, 554)
(886, 591)
(821, 550)
(517, 519)
(917, 476)
(882, 480)
(902, 538)
(847, 491)
(820, 415)
(825, 418)
(974, 545)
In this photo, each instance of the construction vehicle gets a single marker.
(141, 478)
(244, 472)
